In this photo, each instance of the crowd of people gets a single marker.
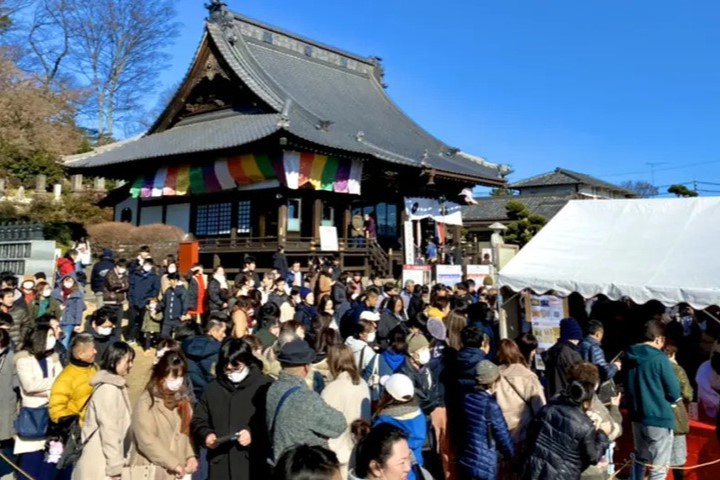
(319, 374)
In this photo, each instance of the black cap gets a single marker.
(297, 352)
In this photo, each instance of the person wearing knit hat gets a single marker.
(399, 407)
(486, 429)
(562, 356)
(437, 329)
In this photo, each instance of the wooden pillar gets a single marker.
(282, 222)
(317, 212)
(347, 218)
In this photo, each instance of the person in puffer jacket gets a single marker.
(562, 440)
(399, 407)
(486, 430)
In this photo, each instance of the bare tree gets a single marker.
(641, 188)
(113, 48)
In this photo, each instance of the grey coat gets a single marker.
(304, 418)
(8, 395)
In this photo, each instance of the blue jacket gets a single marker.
(143, 286)
(72, 314)
(202, 355)
(100, 269)
(305, 314)
(174, 303)
(592, 352)
(486, 433)
(465, 362)
(413, 423)
(652, 387)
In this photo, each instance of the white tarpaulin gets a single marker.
(659, 249)
(420, 208)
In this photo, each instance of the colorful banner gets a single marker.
(295, 170)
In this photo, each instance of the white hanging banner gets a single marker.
(420, 208)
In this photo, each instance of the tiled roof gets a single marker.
(232, 131)
(561, 176)
(329, 97)
(492, 209)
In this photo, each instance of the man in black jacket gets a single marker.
(99, 271)
(563, 356)
(280, 262)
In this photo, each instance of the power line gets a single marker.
(664, 169)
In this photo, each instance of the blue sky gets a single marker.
(601, 87)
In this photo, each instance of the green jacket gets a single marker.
(682, 422)
(652, 387)
(53, 308)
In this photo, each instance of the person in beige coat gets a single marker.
(161, 424)
(349, 394)
(37, 368)
(519, 394)
(107, 418)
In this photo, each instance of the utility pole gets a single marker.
(695, 185)
(652, 166)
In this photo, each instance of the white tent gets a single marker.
(645, 249)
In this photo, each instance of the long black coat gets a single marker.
(558, 362)
(562, 442)
(226, 409)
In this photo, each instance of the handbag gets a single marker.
(32, 422)
(70, 433)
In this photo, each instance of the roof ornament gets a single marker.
(220, 15)
(324, 125)
(379, 71)
(284, 121)
(360, 136)
(424, 161)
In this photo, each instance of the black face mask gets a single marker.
(715, 362)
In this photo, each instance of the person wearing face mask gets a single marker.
(54, 325)
(144, 285)
(161, 424)
(115, 289)
(294, 414)
(44, 303)
(37, 367)
(102, 328)
(229, 420)
(72, 300)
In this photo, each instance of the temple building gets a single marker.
(272, 136)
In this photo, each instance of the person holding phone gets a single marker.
(229, 420)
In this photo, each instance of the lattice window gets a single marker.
(214, 219)
(244, 223)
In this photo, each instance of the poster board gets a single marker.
(420, 274)
(544, 313)
(448, 274)
(478, 273)
(329, 239)
(506, 253)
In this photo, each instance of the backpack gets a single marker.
(70, 434)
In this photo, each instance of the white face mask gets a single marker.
(371, 337)
(105, 331)
(50, 343)
(424, 356)
(172, 269)
(147, 268)
(68, 285)
(121, 271)
(46, 293)
(174, 384)
(237, 377)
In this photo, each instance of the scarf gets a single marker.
(179, 401)
(222, 280)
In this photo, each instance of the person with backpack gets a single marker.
(105, 433)
(295, 414)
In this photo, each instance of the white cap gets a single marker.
(370, 316)
(399, 386)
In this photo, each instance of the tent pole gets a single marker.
(501, 314)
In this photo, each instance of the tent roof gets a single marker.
(644, 249)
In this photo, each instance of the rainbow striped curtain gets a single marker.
(295, 170)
